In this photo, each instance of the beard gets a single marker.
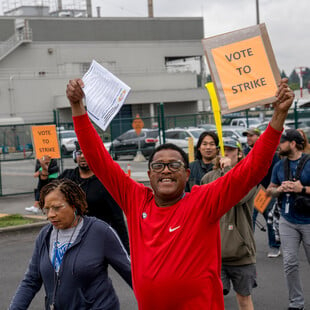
(84, 168)
(285, 152)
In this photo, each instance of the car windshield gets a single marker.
(262, 127)
(253, 122)
(196, 133)
(70, 134)
(238, 132)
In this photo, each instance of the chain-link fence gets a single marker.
(17, 158)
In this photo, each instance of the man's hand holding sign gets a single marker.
(161, 219)
(45, 141)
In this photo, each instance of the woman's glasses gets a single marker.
(55, 209)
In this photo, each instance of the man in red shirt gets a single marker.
(175, 236)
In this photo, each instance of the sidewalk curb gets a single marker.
(41, 223)
(24, 227)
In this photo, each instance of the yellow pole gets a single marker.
(217, 114)
(191, 155)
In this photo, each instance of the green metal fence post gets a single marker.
(0, 180)
(162, 114)
(56, 122)
(295, 114)
(159, 123)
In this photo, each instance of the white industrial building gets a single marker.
(159, 58)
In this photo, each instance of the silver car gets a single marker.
(67, 140)
(235, 132)
(180, 136)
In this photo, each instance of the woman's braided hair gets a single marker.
(72, 192)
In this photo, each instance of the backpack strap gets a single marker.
(301, 165)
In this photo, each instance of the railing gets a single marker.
(18, 38)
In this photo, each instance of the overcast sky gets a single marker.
(287, 21)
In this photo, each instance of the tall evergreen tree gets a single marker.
(283, 74)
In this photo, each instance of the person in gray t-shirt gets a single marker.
(72, 255)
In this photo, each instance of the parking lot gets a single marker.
(16, 176)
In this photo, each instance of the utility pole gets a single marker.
(59, 5)
(150, 8)
(300, 74)
(257, 12)
(89, 8)
(261, 113)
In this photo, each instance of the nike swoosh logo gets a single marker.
(173, 229)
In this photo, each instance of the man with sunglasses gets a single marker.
(175, 236)
(99, 201)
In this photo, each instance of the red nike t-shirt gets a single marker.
(175, 251)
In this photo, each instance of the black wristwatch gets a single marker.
(303, 191)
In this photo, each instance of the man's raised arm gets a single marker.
(285, 98)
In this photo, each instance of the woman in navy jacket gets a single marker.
(72, 255)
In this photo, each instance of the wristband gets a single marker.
(303, 191)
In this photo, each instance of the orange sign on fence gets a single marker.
(45, 141)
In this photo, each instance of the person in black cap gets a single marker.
(292, 135)
(290, 181)
(99, 201)
(252, 135)
(237, 237)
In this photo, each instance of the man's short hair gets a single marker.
(211, 134)
(169, 146)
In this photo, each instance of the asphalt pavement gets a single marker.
(271, 294)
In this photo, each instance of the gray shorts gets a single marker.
(243, 278)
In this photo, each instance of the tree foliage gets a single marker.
(294, 81)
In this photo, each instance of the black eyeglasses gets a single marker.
(172, 166)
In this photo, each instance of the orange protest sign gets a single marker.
(45, 141)
(137, 124)
(261, 199)
(243, 68)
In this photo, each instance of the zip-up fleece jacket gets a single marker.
(83, 276)
(176, 250)
(237, 237)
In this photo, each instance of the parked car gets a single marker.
(179, 136)
(235, 132)
(207, 127)
(288, 124)
(253, 122)
(301, 123)
(67, 140)
(128, 143)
